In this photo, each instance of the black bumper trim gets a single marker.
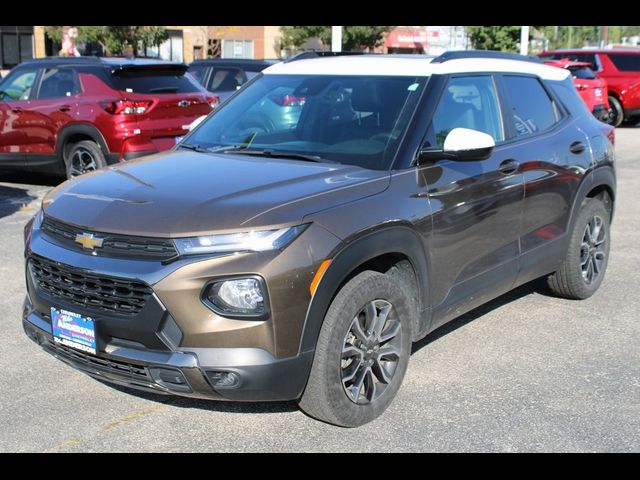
(262, 377)
(133, 155)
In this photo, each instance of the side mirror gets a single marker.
(462, 144)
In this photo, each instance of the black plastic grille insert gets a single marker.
(89, 290)
(114, 245)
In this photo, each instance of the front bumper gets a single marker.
(196, 372)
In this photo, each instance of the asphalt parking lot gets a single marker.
(526, 372)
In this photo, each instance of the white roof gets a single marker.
(406, 66)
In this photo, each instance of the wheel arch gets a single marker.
(378, 251)
(76, 133)
(601, 183)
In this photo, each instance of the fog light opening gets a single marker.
(223, 379)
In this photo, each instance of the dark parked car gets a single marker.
(74, 115)
(255, 262)
(621, 69)
(224, 76)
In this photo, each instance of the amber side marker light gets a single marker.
(318, 276)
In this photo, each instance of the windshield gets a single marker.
(346, 119)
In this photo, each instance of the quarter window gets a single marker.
(469, 102)
(532, 109)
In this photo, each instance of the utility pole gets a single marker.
(336, 39)
(524, 40)
(603, 36)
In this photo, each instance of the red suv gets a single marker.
(592, 89)
(74, 115)
(621, 69)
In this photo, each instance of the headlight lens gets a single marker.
(237, 296)
(254, 241)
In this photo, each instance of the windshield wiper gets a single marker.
(281, 154)
(195, 148)
(163, 90)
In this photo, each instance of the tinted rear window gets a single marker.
(582, 72)
(533, 110)
(149, 81)
(626, 62)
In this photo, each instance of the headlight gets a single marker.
(254, 241)
(237, 297)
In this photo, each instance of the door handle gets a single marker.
(64, 108)
(508, 166)
(577, 147)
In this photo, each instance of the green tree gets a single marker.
(503, 38)
(116, 40)
(353, 37)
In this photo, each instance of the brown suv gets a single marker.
(273, 258)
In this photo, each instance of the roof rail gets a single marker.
(458, 54)
(315, 54)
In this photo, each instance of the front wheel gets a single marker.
(362, 352)
(585, 263)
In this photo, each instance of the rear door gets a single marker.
(174, 100)
(53, 106)
(553, 154)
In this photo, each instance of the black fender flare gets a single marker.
(398, 239)
(81, 129)
(599, 177)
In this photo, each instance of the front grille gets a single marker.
(114, 245)
(121, 369)
(89, 290)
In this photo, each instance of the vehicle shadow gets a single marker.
(28, 178)
(212, 405)
(13, 199)
(535, 286)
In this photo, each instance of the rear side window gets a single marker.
(225, 79)
(151, 81)
(570, 98)
(58, 83)
(583, 73)
(198, 72)
(626, 62)
(532, 109)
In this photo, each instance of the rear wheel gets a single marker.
(83, 157)
(616, 113)
(362, 352)
(584, 266)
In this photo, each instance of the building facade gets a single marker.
(185, 43)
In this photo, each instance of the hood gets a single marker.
(181, 193)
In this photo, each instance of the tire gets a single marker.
(585, 263)
(616, 113)
(331, 395)
(83, 157)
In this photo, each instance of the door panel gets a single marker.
(476, 205)
(16, 90)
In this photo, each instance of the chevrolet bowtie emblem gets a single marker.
(88, 241)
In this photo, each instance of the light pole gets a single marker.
(336, 39)
(524, 40)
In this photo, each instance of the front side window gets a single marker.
(58, 83)
(532, 109)
(354, 120)
(469, 102)
(18, 85)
